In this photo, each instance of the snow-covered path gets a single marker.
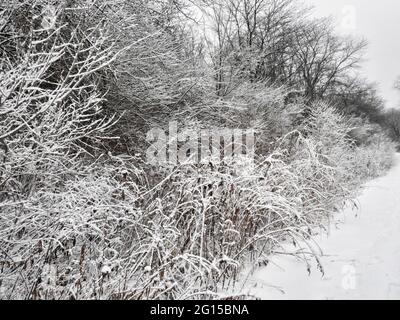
(361, 256)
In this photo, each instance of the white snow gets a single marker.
(105, 270)
(147, 269)
(361, 256)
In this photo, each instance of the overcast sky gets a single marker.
(379, 23)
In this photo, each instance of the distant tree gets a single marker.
(324, 59)
(356, 96)
(392, 123)
(392, 119)
(275, 41)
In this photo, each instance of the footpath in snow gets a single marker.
(361, 256)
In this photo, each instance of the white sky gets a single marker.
(379, 23)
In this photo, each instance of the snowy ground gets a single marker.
(361, 256)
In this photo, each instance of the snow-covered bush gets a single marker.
(374, 158)
(50, 119)
(115, 228)
(108, 234)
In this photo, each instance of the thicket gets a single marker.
(83, 216)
